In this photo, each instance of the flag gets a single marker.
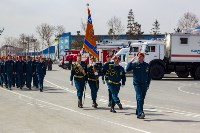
(89, 40)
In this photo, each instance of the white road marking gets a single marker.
(74, 111)
(175, 111)
(180, 89)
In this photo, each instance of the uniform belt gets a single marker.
(113, 82)
(78, 76)
(92, 79)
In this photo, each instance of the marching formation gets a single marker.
(114, 76)
(22, 71)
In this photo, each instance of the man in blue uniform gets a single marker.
(116, 78)
(41, 72)
(3, 74)
(78, 73)
(9, 71)
(20, 71)
(93, 79)
(141, 81)
(29, 72)
(1, 79)
(35, 78)
(105, 77)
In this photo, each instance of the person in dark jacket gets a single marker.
(141, 81)
(9, 71)
(29, 72)
(49, 65)
(40, 72)
(20, 72)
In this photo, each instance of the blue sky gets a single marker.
(22, 16)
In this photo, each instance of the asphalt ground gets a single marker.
(172, 105)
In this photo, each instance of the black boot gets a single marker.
(113, 109)
(120, 106)
(109, 104)
(80, 105)
(94, 104)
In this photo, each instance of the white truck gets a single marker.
(179, 53)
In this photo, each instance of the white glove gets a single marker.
(96, 73)
(71, 83)
(122, 86)
(86, 83)
(103, 81)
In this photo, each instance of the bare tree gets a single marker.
(189, 20)
(115, 26)
(60, 30)
(11, 45)
(45, 32)
(83, 26)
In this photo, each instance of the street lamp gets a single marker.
(34, 41)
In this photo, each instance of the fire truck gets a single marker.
(179, 53)
(68, 58)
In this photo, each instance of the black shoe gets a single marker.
(109, 104)
(120, 106)
(113, 110)
(29, 88)
(94, 105)
(21, 88)
(142, 116)
(41, 90)
(80, 105)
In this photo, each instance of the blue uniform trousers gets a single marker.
(35, 80)
(109, 93)
(20, 80)
(140, 90)
(9, 79)
(40, 80)
(114, 89)
(94, 90)
(79, 84)
(28, 80)
(4, 77)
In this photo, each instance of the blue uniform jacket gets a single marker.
(9, 67)
(40, 68)
(106, 70)
(141, 72)
(29, 67)
(91, 72)
(76, 73)
(116, 74)
(20, 67)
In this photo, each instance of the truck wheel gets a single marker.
(157, 72)
(64, 66)
(182, 74)
(197, 73)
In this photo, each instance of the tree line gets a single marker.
(46, 32)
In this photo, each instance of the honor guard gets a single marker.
(116, 78)
(141, 81)
(93, 79)
(9, 71)
(78, 73)
(105, 77)
(40, 72)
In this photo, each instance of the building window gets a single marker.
(152, 48)
(184, 40)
